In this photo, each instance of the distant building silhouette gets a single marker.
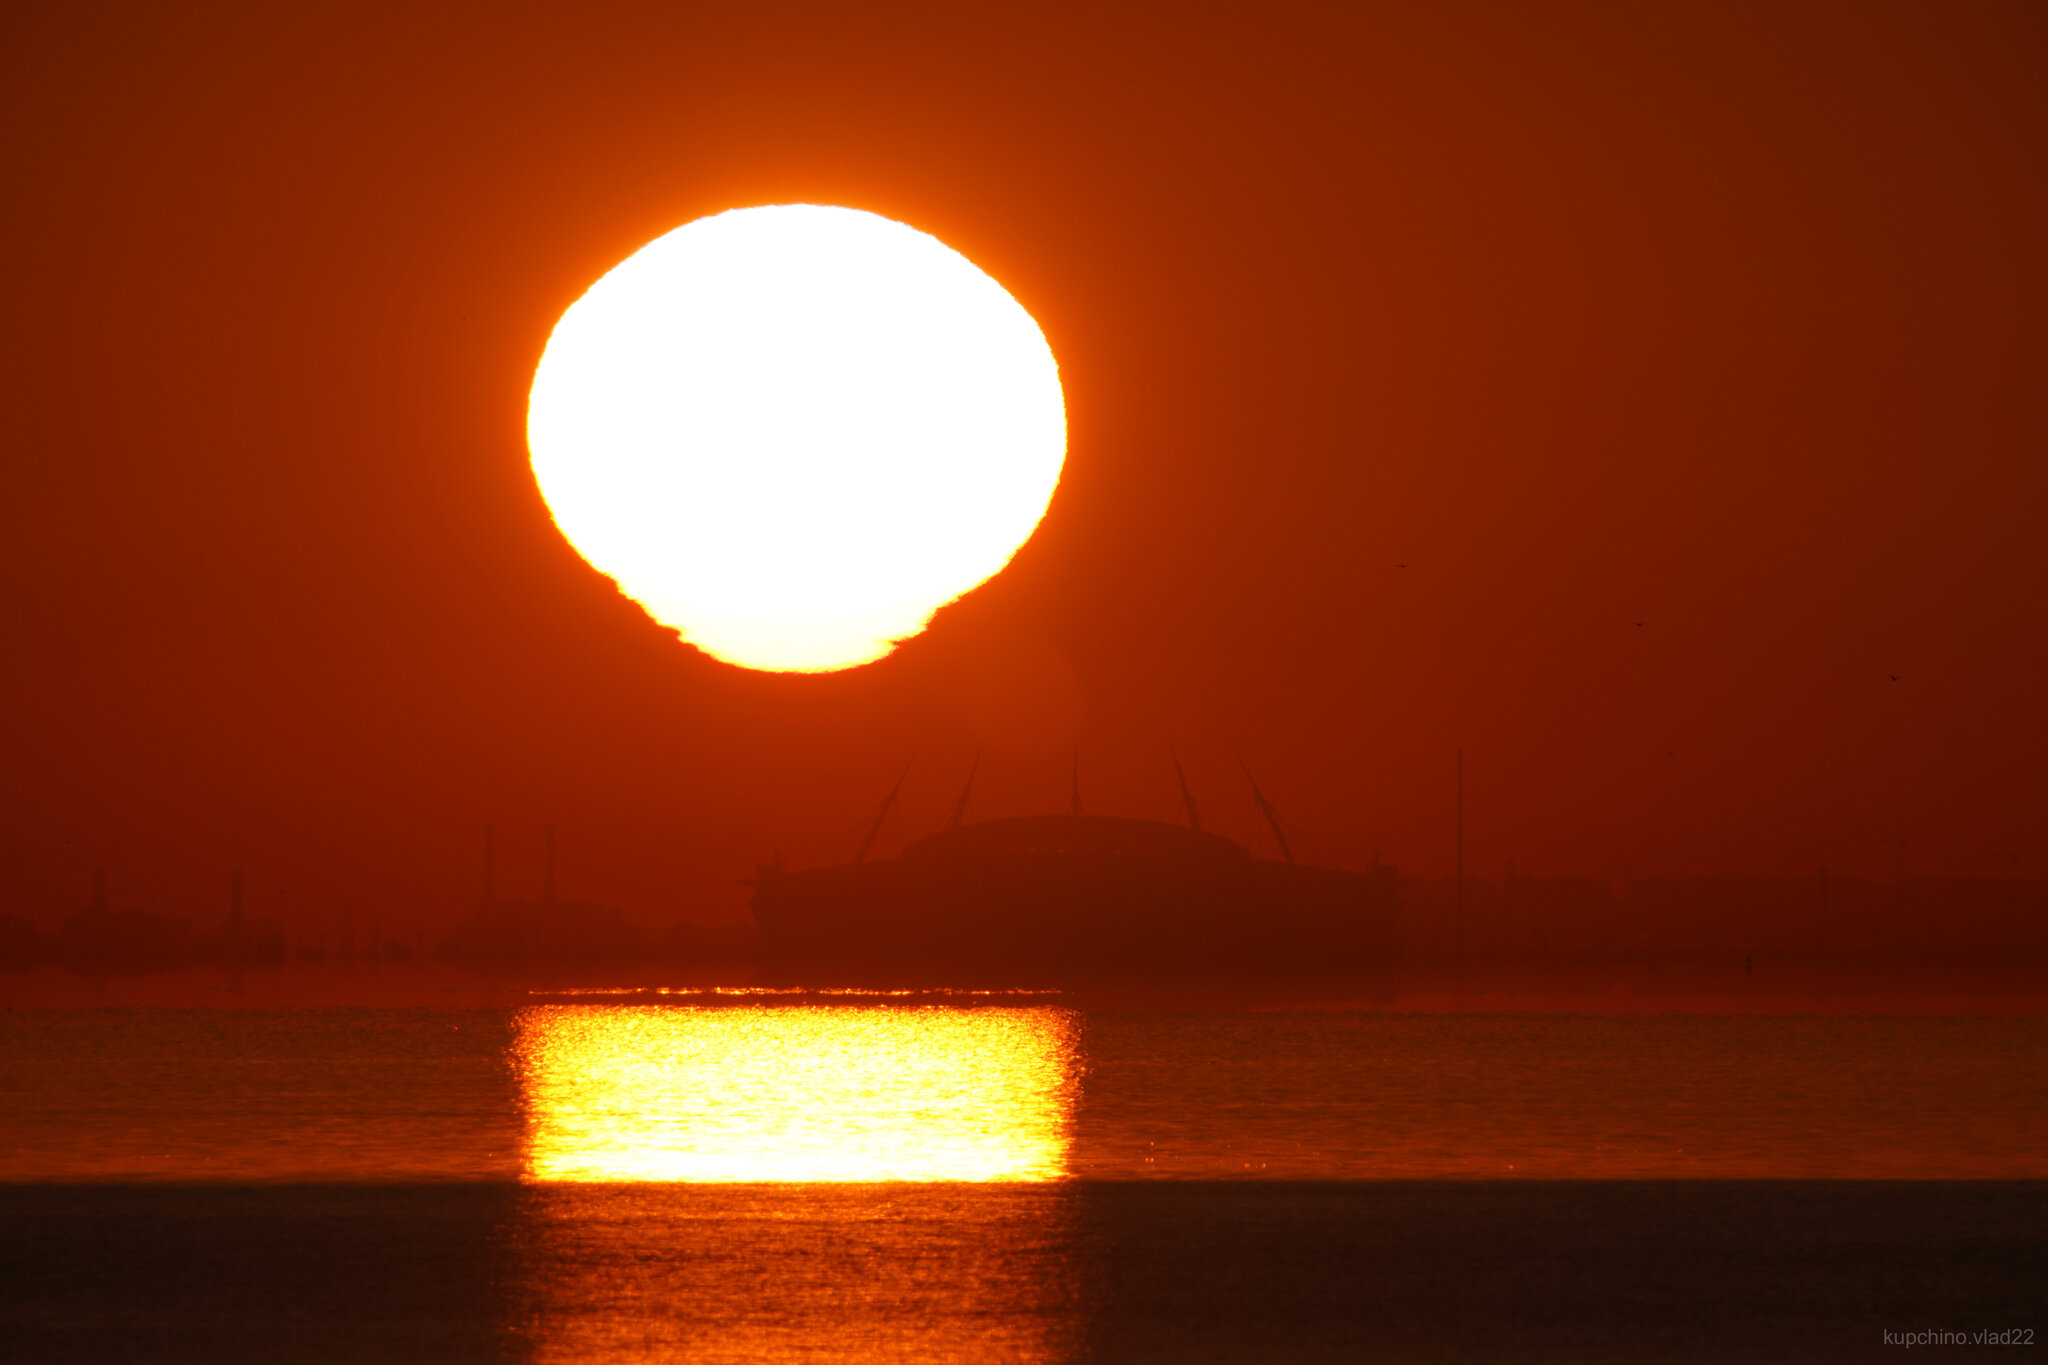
(246, 942)
(22, 945)
(1814, 917)
(97, 937)
(549, 930)
(1053, 899)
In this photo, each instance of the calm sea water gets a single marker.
(762, 1182)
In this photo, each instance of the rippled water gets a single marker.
(796, 1094)
(628, 1182)
(806, 1093)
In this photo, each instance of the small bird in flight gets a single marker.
(1893, 676)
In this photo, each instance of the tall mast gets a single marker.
(881, 815)
(1187, 797)
(1461, 856)
(1266, 809)
(960, 806)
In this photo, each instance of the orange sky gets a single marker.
(1729, 322)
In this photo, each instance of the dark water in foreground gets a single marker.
(1285, 1271)
(1031, 1184)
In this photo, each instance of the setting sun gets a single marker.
(792, 433)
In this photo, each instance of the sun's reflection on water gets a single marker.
(795, 1093)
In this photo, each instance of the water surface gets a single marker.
(807, 1093)
(753, 1183)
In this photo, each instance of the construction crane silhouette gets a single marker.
(881, 816)
(960, 806)
(1266, 809)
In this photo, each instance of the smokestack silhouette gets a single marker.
(548, 885)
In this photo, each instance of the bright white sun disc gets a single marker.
(793, 433)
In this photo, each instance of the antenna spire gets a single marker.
(548, 884)
(1187, 797)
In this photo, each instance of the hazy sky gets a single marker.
(1691, 363)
